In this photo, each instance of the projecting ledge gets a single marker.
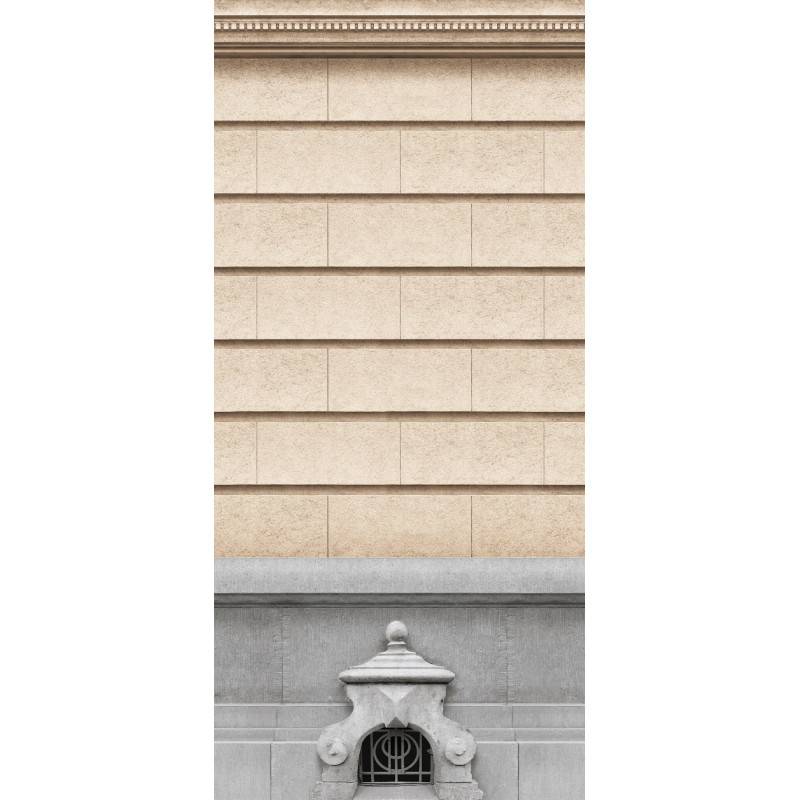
(397, 580)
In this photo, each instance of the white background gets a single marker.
(693, 401)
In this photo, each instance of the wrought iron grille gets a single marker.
(395, 755)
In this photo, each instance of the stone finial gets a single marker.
(396, 664)
(396, 632)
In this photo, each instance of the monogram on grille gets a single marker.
(395, 756)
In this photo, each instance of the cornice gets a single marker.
(260, 24)
(342, 36)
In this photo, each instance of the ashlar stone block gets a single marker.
(472, 307)
(406, 89)
(270, 234)
(265, 89)
(481, 453)
(399, 379)
(328, 160)
(329, 307)
(480, 160)
(541, 89)
(409, 234)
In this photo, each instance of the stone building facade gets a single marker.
(399, 365)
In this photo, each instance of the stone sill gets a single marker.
(398, 580)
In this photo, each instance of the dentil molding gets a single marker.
(332, 36)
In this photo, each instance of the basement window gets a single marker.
(395, 756)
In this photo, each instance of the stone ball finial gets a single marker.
(396, 631)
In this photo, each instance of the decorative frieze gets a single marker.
(333, 36)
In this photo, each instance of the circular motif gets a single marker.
(396, 752)
(460, 750)
(331, 750)
(396, 631)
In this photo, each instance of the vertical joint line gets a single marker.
(470, 236)
(544, 452)
(470, 89)
(400, 285)
(544, 306)
(327, 89)
(471, 548)
(255, 300)
(544, 159)
(471, 351)
(255, 188)
(400, 157)
(400, 448)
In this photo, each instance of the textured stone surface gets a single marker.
(234, 452)
(482, 160)
(295, 770)
(258, 234)
(399, 89)
(542, 715)
(399, 525)
(236, 715)
(549, 771)
(507, 452)
(395, 379)
(564, 161)
(329, 307)
(234, 307)
(250, 379)
(270, 525)
(357, 452)
(563, 304)
(527, 379)
(564, 458)
(292, 654)
(527, 525)
(248, 665)
(241, 771)
(545, 655)
(235, 160)
(350, 160)
(419, 576)
(409, 234)
(527, 89)
(270, 89)
(496, 769)
(553, 233)
(472, 307)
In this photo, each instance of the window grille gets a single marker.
(395, 755)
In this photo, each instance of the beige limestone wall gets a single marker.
(399, 306)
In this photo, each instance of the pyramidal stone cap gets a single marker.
(396, 664)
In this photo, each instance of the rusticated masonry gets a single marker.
(397, 733)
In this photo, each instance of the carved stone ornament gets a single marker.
(397, 689)
(252, 29)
